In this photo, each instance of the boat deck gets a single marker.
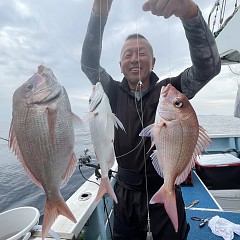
(206, 208)
(205, 233)
(96, 228)
(199, 192)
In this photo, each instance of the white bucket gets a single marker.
(16, 223)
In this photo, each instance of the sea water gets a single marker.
(17, 190)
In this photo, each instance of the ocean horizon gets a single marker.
(17, 190)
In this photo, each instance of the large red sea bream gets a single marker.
(179, 140)
(42, 137)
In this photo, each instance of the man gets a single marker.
(134, 101)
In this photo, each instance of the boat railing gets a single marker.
(224, 143)
(94, 218)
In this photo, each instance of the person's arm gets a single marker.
(92, 46)
(102, 7)
(185, 9)
(203, 49)
(204, 55)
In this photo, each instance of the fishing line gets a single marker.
(99, 74)
(100, 36)
(104, 202)
(232, 70)
(145, 170)
(4, 139)
(169, 51)
(79, 167)
(141, 115)
(108, 216)
(141, 118)
(51, 36)
(125, 154)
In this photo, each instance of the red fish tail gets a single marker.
(52, 210)
(169, 200)
(105, 187)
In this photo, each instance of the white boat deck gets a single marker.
(91, 216)
(82, 203)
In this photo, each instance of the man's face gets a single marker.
(137, 62)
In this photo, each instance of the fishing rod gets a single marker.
(4, 139)
(86, 161)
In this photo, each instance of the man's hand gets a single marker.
(102, 7)
(185, 9)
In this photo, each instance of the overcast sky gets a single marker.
(34, 32)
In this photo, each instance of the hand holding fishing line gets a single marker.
(102, 7)
(134, 100)
(185, 9)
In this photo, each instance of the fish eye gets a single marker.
(29, 87)
(178, 103)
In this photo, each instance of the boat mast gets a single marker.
(226, 35)
(221, 21)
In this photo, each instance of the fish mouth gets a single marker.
(43, 89)
(96, 97)
(169, 90)
(165, 90)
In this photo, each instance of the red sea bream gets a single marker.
(179, 140)
(42, 137)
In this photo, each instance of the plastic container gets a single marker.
(16, 223)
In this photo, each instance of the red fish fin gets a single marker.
(182, 177)
(147, 131)
(13, 144)
(70, 170)
(106, 187)
(202, 142)
(155, 163)
(168, 198)
(52, 211)
(52, 118)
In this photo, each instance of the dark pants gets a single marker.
(130, 217)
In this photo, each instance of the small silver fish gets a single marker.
(42, 137)
(102, 122)
(179, 140)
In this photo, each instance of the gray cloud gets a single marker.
(33, 32)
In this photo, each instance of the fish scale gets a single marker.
(102, 122)
(42, 137)
(178, 139)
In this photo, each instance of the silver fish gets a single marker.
(179, 140)
(102, 122)
(42, 137)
